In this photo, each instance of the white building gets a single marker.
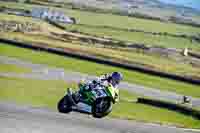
(53, 15)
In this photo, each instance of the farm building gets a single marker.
(53, 15)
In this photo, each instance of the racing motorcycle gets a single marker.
(97, 102)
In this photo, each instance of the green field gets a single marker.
(137, 37)
(90, 18)
(39, 93)
(80, 66)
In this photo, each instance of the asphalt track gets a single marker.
(25, 119)
(44, 72)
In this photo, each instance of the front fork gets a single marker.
(70, 97)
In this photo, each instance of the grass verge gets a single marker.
(98, 69)
(147, 113)
(13, 68)
(43, 93)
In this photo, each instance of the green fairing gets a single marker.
(89, 97)
(110, 90)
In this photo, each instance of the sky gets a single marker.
(188, 3)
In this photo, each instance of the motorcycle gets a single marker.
(97, 102)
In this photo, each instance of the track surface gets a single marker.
(24, 119)
(44, 72)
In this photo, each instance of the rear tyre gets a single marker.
(101, 107)
(64, 105)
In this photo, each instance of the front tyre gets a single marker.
(64, 105)
(101, 107)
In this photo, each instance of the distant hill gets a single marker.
(128, 4)
(150, 9)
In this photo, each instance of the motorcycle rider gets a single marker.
(112, 79)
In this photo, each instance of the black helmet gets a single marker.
(116, 78)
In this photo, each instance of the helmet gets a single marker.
(116, 77)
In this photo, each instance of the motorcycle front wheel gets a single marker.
(101, 107)
(64, 105)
